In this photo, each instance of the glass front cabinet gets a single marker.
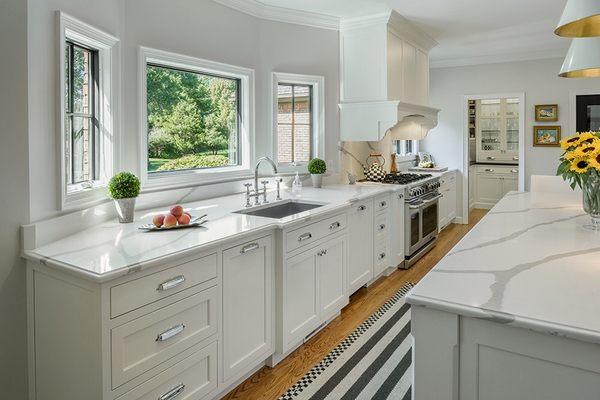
(497, 131)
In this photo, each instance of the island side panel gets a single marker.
(435, 354)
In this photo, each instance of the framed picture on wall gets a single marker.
(546, 113)
(546, 136)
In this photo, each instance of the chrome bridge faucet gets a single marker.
(256, 192)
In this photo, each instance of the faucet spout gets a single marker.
(260, 160)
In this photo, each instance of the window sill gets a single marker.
(180, 179)
(84, 198)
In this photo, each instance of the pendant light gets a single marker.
(580, 18)
(582, 60)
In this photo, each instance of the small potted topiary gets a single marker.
(317, 168)
(124, 187)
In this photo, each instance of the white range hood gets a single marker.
(385, 78)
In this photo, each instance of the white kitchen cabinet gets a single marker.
(248, 301)
(331, 262)
(314, 289)
(397, 230)
(381, 235)
(447, 203)
(360, 240)
(492, 182)
(497, 130)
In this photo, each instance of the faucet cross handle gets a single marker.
(248, 186)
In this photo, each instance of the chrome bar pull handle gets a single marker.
(171, 394)
(489, 170)
(381, 256)
(249, 247)
(381, 227)
(304, 236)
(335, 225)
(362, 208)
(383, 204)
(171, 283)
(169, 333)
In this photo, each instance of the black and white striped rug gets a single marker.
(373, 362)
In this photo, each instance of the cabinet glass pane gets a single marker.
(490, 124)
(512, 124)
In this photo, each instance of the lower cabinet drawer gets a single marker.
(382, 257)
(314, 232)
(190, 379)
(145, 342)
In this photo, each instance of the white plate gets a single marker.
(194, 221)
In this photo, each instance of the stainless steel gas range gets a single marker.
(421, 197)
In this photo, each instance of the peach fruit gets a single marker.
(170, 221)
(158, 220)
(177, 210)
(184, 219)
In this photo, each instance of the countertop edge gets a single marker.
(545, 327)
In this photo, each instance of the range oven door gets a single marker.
(421, 224)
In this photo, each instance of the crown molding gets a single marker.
(496, 59)
(282, 14)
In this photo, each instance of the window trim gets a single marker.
(182, 178)
(318, 117)
(69, 28)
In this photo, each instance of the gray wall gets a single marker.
(14, 197)
(539, 81)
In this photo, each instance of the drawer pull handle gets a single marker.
(381, 227)
(400, 196)
(362, 208)
(514, 171)
(304, 236)
(383, 204)
(335, 225)
(249, 247)
(381, 256)
(171, 394)
(169, 333)
(171, 283)
(489, 170)
(491, 158)
(322, 253)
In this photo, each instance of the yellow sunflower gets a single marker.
(594, 160)
(569, 142)
(580, 165)
(586, 149)
(587, 138)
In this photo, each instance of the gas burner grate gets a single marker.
(404, 178)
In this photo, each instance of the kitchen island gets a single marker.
(512, 311)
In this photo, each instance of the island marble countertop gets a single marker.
(111, 249)
(529, 263)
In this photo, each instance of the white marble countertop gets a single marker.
(111, 249)
(529, 263)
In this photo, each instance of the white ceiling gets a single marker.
(468, 31)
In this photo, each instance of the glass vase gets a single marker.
(591, 199)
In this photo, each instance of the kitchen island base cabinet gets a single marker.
(248, 296)
(457, 357)
(360, 240)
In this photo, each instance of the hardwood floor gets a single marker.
(270, 383)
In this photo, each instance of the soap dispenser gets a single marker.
(297, 186)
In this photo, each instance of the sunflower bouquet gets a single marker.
(580, 164)
(581, 158)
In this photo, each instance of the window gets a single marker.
(406, 148)
(297, 119)
(86, 120)
(81, 126)
(294, 123)
(193, 120)
(196, 120)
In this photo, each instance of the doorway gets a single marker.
(493, 149)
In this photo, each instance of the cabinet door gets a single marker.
(397, 230)
(509, 184)
(451, 202)
(443, 210)
(331, 265)
(360, 244)
(300, 302)
(489, 189)
(247, 306)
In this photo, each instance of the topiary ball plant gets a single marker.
(316, 166)
(124, 185)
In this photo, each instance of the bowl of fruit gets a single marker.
(176, 218)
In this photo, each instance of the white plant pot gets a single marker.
(317, 180)
(125, 208)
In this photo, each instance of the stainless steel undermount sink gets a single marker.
(280, 209)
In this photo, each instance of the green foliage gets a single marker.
(195, 161)
(124, 185)
(317, 166)
(162, 145)
(198, 113)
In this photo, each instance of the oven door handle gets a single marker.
(425, 203)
